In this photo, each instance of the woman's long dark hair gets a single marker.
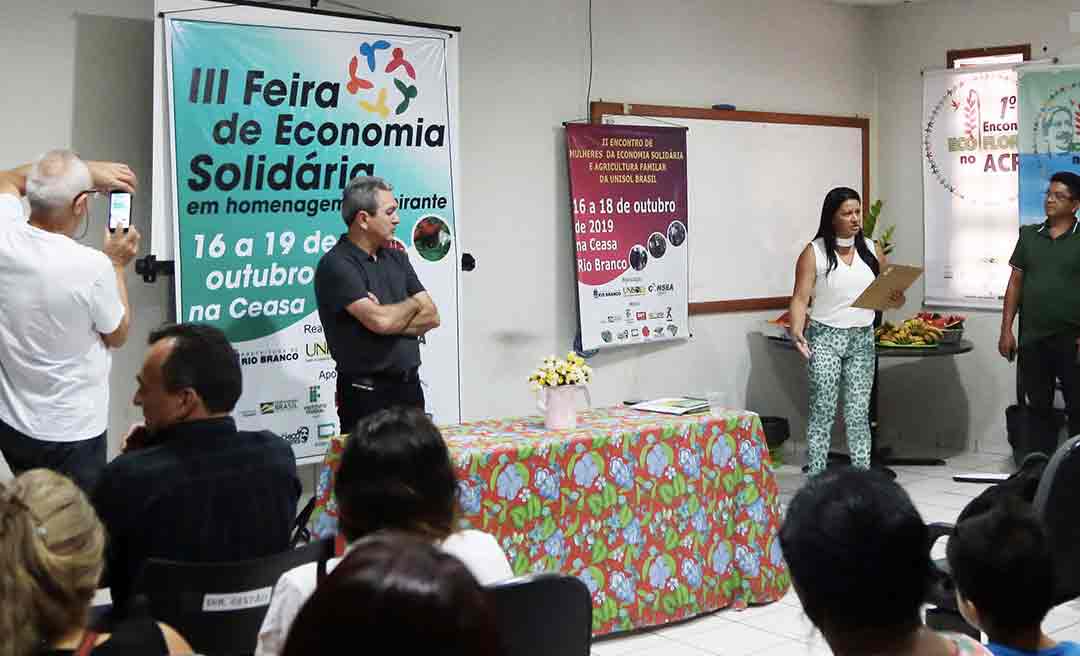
(833, 200)
(396, 474)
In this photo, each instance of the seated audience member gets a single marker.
(1004, 574)
(190, 486)
(53, 544)
(395, 474)
(65, 308)
(859, 558)
(399, 592)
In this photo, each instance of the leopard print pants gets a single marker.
(842, 359)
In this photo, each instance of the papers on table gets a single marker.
(677, 405)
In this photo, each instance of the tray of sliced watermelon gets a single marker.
(951, 325)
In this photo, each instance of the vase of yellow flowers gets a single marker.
(558, 383)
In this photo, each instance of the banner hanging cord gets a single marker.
(346, 5)
(227, 5)
(377, 15)
(588, 91)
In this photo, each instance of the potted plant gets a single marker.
(870, 224)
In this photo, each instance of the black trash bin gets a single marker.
(777, 431)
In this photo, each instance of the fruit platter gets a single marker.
(952, 325)
(912, 333)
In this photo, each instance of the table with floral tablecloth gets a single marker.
(662, 517)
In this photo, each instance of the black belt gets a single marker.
(383, 378)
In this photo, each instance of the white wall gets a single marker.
(97, 103)
(910, 38)
(523, 73)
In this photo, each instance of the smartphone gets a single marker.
(119, 211)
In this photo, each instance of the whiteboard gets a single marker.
(755, 194)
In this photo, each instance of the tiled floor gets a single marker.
(781, 629)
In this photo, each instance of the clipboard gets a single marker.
(895, 277)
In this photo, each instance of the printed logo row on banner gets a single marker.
(305, 415)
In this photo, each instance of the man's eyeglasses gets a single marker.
(1058, 196)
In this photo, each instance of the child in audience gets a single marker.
(395, 474)
(51, 550)
(859, 558)
(399, 593)
(1004, 573)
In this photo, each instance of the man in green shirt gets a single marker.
(1045, 281)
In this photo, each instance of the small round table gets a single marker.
(881, 458)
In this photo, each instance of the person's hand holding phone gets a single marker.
(121, 246)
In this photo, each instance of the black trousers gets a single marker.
(357, 400)
(1041, 364)
(82, 461)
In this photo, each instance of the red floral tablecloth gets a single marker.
(662, 517)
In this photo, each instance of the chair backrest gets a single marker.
(543, 615)
(1057, 503)
(219, 607)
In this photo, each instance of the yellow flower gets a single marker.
(553, 372)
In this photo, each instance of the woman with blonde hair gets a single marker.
(51, 547)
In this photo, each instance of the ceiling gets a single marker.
(873, 3)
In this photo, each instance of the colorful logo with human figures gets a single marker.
(382, 78)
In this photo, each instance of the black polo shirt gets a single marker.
(204, 492)
(1050, 296)
(346, 274)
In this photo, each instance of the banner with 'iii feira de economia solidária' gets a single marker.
(269, 123)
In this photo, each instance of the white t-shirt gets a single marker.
(58, 298)
(834, 293)
(478, 551)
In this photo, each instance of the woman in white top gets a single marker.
(834, 270)
(395, 593)
(395, 474)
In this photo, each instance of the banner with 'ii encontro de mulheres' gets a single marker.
(269, 123)
(631, 232)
